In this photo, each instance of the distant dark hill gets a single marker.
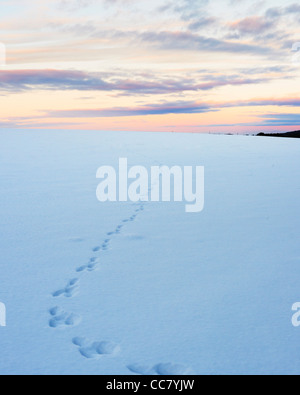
(293, 135)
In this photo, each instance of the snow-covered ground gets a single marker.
(166, 292)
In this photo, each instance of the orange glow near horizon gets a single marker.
(103, 66)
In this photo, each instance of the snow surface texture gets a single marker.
(123, 288)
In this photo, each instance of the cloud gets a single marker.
(187, 9)
(187, 50)
(294, 102)
(203, 22)
(281, 119)
(155, 109)
(190, 41)
(73, 5)
(277, 12)
(179, 107)
(21, 80)
(24, 80)
(272, 26)
(192, 12)
(252, 25)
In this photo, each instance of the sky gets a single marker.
(219, 66)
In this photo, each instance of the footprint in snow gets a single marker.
(70, 289)
(103, 247)
(131, 219)
(97, 349)
(61, 319)
(118, 229)
(90, 267)
(162, 369)
(170, 369)
(140, 369)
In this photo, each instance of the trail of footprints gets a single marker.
(60, 318)
(92, 350)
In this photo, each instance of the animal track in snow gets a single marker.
(111, 233)
(62, 319)
(90, 267)
(97, 349)
(140, 369)
(162, 369)
(131, 219)
(103, 247)
(70, 289)
(170, 369)
(118, 229)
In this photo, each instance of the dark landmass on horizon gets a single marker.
(293, 135)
